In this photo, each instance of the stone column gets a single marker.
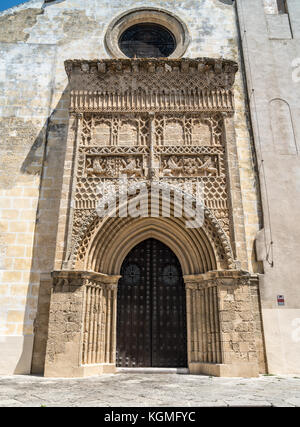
(222, 329)
(82, 324)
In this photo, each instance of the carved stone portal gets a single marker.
(169, 121)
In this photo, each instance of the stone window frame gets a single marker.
(147, 15)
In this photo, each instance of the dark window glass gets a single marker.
(147, 41)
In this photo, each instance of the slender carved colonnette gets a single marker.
(99, 335)
(143, 101)
(203, 322)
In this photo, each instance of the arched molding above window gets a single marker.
(282, 127)
(163, 18)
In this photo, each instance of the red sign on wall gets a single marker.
(280, 299)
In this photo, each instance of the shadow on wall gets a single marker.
(54, 137)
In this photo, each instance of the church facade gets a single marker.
(149, 187)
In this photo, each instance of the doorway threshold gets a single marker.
(153, 370)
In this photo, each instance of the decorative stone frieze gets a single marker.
(144, 85)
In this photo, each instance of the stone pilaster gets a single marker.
(82, 324)
(222, 327)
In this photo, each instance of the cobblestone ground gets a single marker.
(150, 390)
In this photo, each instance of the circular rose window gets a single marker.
(147, 41)
(147, 33)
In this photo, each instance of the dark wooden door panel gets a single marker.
(151, 321)
(134, 311)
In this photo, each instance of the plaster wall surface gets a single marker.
(274, 80)
(36, 39)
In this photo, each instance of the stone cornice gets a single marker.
(145, 85)
(151, 65)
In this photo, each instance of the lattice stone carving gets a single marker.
(151, 85)
(188, 129)
(115, 129)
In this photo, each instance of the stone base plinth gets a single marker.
(81, 371)
(99, 369)
(245, 370)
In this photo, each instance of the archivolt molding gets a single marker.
(207, 248)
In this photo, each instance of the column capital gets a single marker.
(86, 275)
(217, 278)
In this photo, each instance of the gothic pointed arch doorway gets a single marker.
(151, 317)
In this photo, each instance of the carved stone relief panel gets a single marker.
(114, 166)
(102, 133)
(174, 133)
(151, 120)
(190, 165)
(201, 134)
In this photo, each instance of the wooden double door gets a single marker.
(151, 317)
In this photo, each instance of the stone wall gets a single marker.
(26, 90)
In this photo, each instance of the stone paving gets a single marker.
(163, 390)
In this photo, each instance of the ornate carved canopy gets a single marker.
(151, 119)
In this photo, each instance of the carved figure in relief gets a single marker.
(208, 167)
(100, 167)
(95, 166)
(190, 166)
(172, 166)
(131, 166)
